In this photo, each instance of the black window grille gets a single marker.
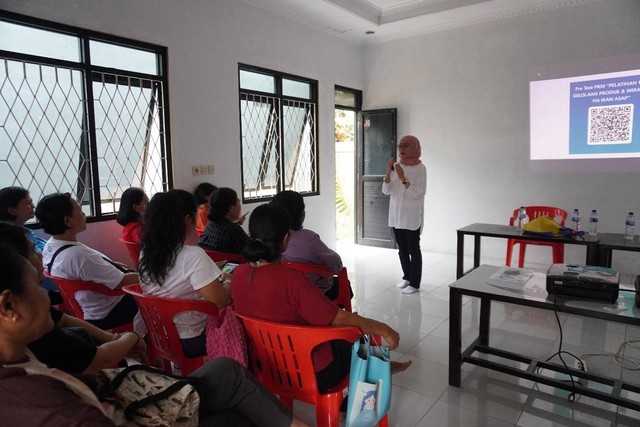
(81, 112)
(278, 121)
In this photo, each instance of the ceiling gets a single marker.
(374, 21)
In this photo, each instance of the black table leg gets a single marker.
(476, 251)
(455, 337)
(460, 256)
(594, 256)
(485, 319)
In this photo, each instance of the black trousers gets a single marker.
(231, 396)
(122, 313)
(410, 256)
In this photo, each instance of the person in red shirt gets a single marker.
(266, 289)
(133, 203)
(203, 193)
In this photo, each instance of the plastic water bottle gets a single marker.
(593, 223)
(523, 219)
(575, 219)
(630, 226)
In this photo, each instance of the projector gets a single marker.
(583, 281)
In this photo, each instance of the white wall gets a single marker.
(464, 93)
(206, 40)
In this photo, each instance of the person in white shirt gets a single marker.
(65, 257)
(406, 183)
(170, 267)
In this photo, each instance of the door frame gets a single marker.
(361, 179)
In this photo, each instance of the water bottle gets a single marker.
(593, 223)
(630, 226)
(575, 219)
(523, 219)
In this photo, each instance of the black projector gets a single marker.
(583, 281)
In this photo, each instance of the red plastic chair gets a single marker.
(218, 256)
(284, 353)
(163, 338)
(68, 289)
(134, 251)
(534, 212)
(344, 288)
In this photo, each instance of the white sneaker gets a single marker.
(403, 284)
(410, 290)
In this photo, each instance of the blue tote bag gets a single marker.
(369, 383)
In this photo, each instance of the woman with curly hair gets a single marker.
(223, 232)
(171, 268)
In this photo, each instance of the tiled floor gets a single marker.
(422, 396)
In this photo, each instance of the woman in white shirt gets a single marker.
(172, 268)
(406, 183)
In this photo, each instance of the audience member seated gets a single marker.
(17, 206)
(133, 203)
(73, 345)
(35, 395)
(265, 289)
(223, 232)
(169, 268)
(202, 194)
(65, 257)
(305, 246)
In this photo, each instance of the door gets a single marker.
(378, 138)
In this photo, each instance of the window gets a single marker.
(278, 116)
(81, 112)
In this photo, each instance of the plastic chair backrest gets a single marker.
(344, 288)
(134, 251)
(218, 256)
(284, 352)
(534, 212)
(163, 336)
(68, 289)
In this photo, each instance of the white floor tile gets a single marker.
(443, 414)
(422, 396)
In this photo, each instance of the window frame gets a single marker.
(283, 101)
(84, 65)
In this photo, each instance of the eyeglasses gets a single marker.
(404, 145)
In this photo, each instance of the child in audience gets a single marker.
(133, 203)
(202, 194)
(223, 232)
(65, 257)
(73, 345)
(35, 395)
(266, 289)
(169, 268)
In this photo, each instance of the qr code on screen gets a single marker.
(611, 124)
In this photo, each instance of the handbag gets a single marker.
(226, 337)
(369, 383)
(152, 397)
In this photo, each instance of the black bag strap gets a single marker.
(55, 254)
(132, 409)
(118, 379)
(117, 266)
